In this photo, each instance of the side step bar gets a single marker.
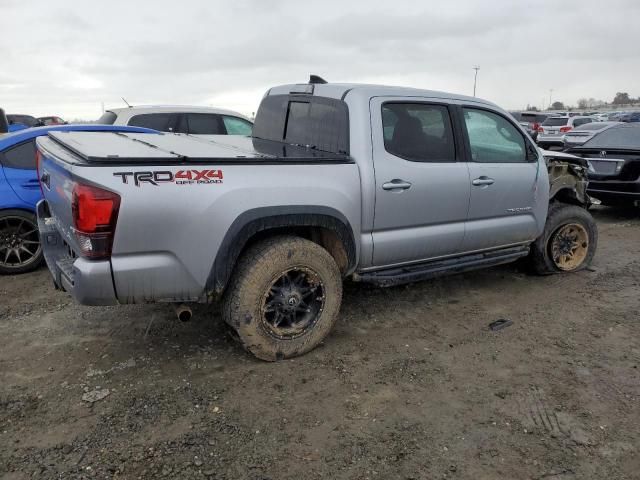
(423, 271)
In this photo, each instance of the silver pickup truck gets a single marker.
(378, 184)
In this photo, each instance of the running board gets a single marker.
(413, 273)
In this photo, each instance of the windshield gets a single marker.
(555, 121)
(623, 137)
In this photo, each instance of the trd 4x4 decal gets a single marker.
(181, 177)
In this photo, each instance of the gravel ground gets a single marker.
(411, 384)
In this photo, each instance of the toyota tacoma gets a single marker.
(378, 184)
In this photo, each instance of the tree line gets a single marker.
(621, 98)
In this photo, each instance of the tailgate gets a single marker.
(57, 182)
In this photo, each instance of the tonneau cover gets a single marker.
(172, 148)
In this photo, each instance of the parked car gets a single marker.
(583, 133)
(20, 191)
(52, 121)
(179, 119)
(553, 129)
(615, 116)
(272, 223)
(614, 164)
(20, 122)
(629, 117)
(530, 121)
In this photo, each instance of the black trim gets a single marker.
(123, 162)
(423, 271)
(258, 220)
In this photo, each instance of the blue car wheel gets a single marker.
(20, 249)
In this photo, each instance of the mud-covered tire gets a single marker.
(561, 217)
(24, 227)
(248, 301)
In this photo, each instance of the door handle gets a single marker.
(396, 184)
(483, 181)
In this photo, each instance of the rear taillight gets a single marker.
(565, 129)
(95, 212)
(539, 128)
(535, 126)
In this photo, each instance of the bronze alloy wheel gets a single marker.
(293, 303)
(569, 246)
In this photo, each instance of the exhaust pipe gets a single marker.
(183, 312)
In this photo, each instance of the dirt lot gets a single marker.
(411, 385)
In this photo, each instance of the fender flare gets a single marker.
(258, 220)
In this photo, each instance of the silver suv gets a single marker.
(180, 119)
(553, 129)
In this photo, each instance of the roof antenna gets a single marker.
(126, 102)
(316, 79)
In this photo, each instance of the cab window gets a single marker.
(492, 138)
(418, 132)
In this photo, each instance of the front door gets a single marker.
(422, 186)
(507, 193)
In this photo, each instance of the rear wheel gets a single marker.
(284, 297)
(568, 242)
(20, 249)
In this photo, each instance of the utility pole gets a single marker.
(550, 93)
(475, 78)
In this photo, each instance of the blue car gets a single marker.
(20, 191)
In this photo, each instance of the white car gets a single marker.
(180, 119)
(552, 130)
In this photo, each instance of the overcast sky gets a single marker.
(66, 57)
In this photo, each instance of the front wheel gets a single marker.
(284, 297)
(568, 243)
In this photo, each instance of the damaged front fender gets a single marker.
(567, 178)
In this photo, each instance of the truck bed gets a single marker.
(174, 149)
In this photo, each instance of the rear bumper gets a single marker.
(89, 282)
(550, 139)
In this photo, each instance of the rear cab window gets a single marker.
(316, 122)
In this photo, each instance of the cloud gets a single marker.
(77, 54)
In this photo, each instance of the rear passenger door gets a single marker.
(504, 182)
(422, 184)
